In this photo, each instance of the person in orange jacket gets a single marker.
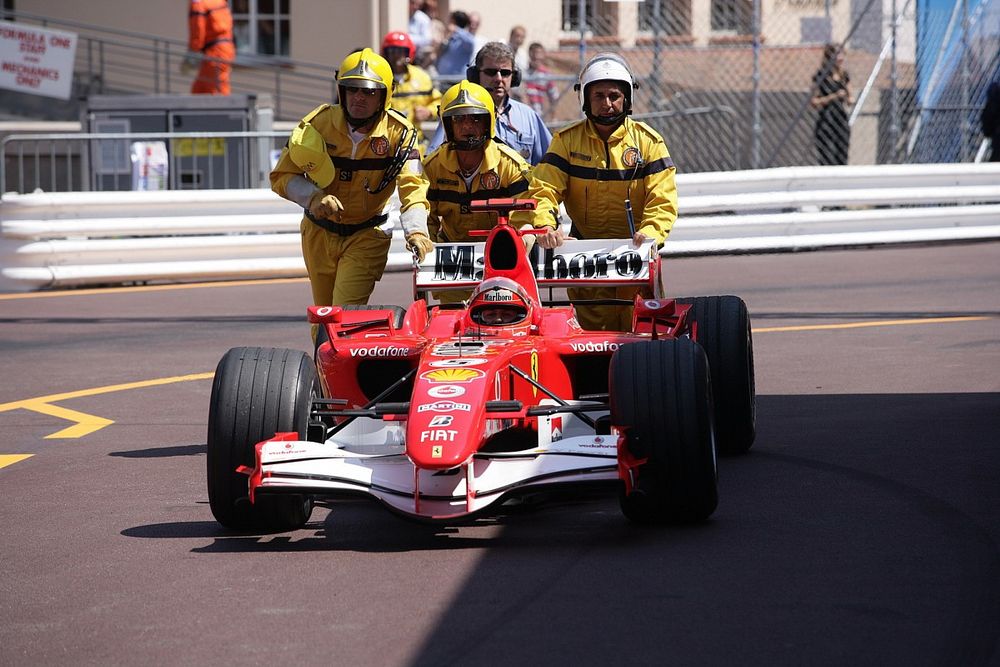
(210, 39)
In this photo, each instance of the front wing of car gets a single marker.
(296, 466)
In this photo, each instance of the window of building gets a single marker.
(599, 16)
(732, 16)
(261, 26)
(665, 17)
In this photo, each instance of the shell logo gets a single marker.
(451, 375)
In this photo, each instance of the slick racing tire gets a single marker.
(661, 397)
(257, 392)
(723, 331)
(398, 314)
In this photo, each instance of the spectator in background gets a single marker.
(516, 42)
(831, 97)
(420, 25)
(990, 119)
(475, 19)
(210, 41)
(541, 94)
(414, 94)
(456, 52)
(518, 125)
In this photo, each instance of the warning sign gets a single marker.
(36, 60)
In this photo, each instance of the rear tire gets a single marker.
(257, 392)
(724, 333)
(661, 395)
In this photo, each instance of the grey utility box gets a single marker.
(191, 163)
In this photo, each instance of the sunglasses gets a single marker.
(492, 71)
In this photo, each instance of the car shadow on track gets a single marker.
(162, 452)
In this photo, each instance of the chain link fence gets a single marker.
(731, 83)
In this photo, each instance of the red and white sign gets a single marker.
(36, 60)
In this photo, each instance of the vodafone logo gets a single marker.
(388, 351)
(600, 346)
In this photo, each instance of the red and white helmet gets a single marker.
(398, 40)
(499, 302)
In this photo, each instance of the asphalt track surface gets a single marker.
(862, 529)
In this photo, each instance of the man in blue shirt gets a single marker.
(456, 51)
(518, 125)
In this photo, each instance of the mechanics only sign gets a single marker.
(36, 60)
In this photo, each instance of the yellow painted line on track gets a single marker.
(86, 424)
(10, 459)
(148, 288)
(859, 325)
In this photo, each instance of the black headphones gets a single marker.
(472, 75)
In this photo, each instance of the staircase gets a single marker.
(115, 62)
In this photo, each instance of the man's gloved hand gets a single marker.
(324, 206)
(420, 244)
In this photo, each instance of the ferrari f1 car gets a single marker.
(446, 412)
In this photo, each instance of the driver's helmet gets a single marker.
(498, 302)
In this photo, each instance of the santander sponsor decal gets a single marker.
(598, 346)
(381, 351)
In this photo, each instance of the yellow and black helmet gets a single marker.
(467, 98)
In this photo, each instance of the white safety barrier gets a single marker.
(97, 238)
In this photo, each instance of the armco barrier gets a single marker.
(76, 239)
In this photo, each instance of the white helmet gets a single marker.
(606, 67)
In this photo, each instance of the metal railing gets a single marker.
(81, 162)
(76, 239)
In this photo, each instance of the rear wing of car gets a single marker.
(578, 263)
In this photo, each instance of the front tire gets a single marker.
(661, 396)
(257, 392)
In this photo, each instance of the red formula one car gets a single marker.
(442, 413)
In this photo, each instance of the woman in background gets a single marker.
(831, 97)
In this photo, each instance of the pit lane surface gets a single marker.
(862, 529)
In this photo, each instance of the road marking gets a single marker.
(859, 325)
(10, 459)
(148, 288)
(85, 423)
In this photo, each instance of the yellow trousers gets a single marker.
(343, 269)
(604, 318)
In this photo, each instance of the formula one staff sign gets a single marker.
(36, 60)
(603, 261)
